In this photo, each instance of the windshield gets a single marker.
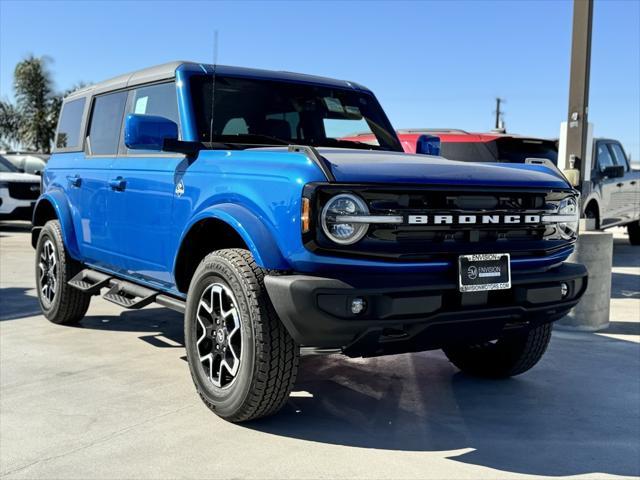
(268, 112)
(6, 166)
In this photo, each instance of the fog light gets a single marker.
(564, 289)
(358, 305)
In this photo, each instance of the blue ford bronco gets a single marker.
(232, 195)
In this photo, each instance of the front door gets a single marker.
(611, 207)
(628, 189)
(140, 206)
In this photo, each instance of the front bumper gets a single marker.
(414, 313)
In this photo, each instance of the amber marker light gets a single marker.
(305, 217)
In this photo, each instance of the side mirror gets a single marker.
(428, 145)
(148, 132)
(613, 171)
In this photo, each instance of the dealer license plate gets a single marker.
(491, 271)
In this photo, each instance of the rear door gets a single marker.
(101, 148)
(140, 207)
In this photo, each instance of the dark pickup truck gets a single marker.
(613, 198)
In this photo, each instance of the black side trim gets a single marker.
(318, 159)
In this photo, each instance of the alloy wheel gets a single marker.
(219, 335)
(48, 266)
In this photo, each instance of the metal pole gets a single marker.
(579, 90)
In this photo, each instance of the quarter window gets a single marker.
(106, 120)
(68, 135)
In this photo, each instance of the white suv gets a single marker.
(18, 192)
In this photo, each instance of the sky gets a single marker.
(432, 64)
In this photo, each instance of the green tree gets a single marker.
(31, 122)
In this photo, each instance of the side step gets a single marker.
(129, 295)
(89, 281)
(123, 293)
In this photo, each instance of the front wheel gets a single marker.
(633, 229)
(242, 359)
(512, 354)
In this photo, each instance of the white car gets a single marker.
(18, 192)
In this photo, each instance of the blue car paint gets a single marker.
(137, 232)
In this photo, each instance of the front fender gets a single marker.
(258, 238)
(60, 205)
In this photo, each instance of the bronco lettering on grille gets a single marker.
(472, 219)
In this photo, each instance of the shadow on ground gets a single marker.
(16, 303)
(625, 285)
(576, 413)
(163, 328)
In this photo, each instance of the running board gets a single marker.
(121, 292)
(89, 281)
(129, 295)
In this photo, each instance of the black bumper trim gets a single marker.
(315, 310)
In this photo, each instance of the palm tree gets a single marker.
(31, 122)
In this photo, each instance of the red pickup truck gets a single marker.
(477, 147)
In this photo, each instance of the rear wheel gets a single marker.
(634, 232)
(60, 303)
(242, 359)
(512, 354)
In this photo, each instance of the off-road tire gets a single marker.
(633, 229)
(269, 358)
(512, 354)
(69, 305)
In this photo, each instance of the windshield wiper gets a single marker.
(250, 138)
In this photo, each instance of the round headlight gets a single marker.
(344, 233)
(568, 206)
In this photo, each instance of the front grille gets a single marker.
(413, 242)
(24, 191)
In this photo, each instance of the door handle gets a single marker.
(619, 184)
(633, 182)
(118, 184)
(74, 180)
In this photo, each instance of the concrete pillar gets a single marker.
(595, 251)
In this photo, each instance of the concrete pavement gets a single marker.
(113, 398)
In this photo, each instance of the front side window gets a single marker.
(618, 156)
(106, 120)
(68, 134)
(159, 100)
(257, 111)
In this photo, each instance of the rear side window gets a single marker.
(106, 120)
(604, 157)
(68, 135)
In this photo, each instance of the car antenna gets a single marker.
(213, 82)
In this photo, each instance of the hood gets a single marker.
(19, 177)
(371, 166)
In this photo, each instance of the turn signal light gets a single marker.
(305, 216)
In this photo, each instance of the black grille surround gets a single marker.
(444, 242)
(24, 190)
